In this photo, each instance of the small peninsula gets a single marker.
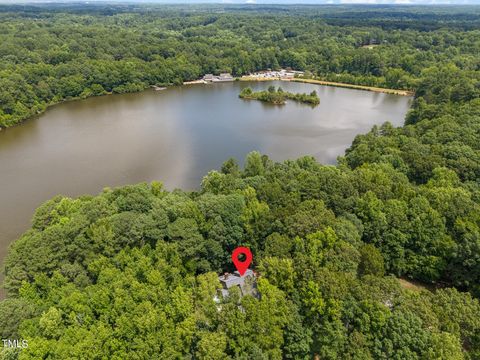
(279, 96)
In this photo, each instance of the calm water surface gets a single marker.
(175, 136)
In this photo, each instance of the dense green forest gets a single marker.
(131, 273)
(52, 53)
(278, 96)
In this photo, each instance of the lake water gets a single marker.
(175, 136)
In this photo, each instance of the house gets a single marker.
(208, 77)
(223, 77)
(246, 283)
(282, 74)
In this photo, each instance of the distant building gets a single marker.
(286, 74)
(208, 77)
(282, 74)
(246, 283)
(223, 77)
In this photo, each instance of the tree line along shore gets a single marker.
(98, 92)
(99, 56)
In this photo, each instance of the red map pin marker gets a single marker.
(242, 266)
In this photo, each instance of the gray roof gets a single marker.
(246, 283)
(229, 280)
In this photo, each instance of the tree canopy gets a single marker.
(131, 273)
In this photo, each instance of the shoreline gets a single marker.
(335, 84)
(78, 98)
(357, 87)
(243, 78)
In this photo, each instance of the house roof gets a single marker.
(235, 279)
(246, 283)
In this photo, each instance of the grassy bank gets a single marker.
(357, 87)
(337, 84)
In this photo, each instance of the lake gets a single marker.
(175, 136)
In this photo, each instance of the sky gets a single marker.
(398, 2)
(432, 2)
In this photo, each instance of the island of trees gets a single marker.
(279, 97)
(377, 257)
